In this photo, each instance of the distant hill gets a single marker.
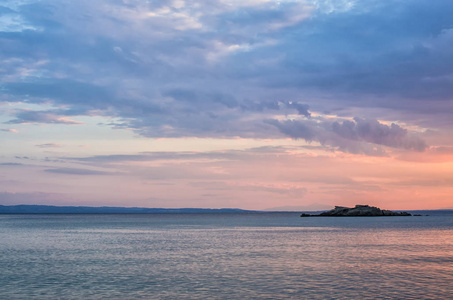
(49, 209)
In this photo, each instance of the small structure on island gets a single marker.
(358, 211)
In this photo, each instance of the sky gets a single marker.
(253, 104)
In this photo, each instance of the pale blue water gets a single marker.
(210, 256)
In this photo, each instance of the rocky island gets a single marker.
(358, 211)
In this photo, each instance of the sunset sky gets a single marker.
(253, 104)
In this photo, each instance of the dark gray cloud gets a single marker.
(296, 129)
(301, 108)
(357, 136)
(372, 131)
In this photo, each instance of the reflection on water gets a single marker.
(225, 257)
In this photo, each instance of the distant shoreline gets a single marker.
(50, 209)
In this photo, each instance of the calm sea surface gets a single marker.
(225, 256)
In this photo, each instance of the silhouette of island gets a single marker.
(358, 211)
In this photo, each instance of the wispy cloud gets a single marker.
(12, 130)
(74, 171)
(48, 145)
(28, 116)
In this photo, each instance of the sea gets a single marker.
(225, 256)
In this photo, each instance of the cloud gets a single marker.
(28, 116)
(301, 108)
(74, 171)
(48, 145)
(222, 69)
(11, 164)
(11, 21)
(22, 157)
(433, 155)
(106, 160)
(355, 136)
(65, 91)
(372, 131)
(295, 129)
(9, 130)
